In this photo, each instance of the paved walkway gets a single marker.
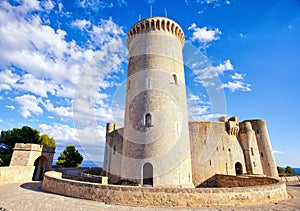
(28, 196)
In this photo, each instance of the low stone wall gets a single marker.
(87, 178)
(228, 181)
(14, 174)
(290, 178)
(173, 197)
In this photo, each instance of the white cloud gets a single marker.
(50, 64)
(90, 139)
(8, 79)
(238, 76)
(60, 7)
(86, 136)
(192, 97)
(223, 67)
(29, 105)
(48, 5)
(150, 1)
(204, 34)
(1, 121)
(237, 85)
(212, 116)
(81, 24)
(106, 32)
(207, 76)
(198, 106)
(59, 131)
(40, 50)
(277, 152)
(60, 111)
(94, 5)
(30, 83)
(11, 107)
(214, 3)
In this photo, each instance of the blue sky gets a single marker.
(63, 65)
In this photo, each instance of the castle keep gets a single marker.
(158, 146)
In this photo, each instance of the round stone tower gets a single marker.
(156, 143)
(265, 148)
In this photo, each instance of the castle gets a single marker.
(158, 145)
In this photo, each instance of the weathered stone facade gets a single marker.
(155, 147)
(171, 197)
(158, 145)
(28, 162)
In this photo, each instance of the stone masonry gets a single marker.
(158, 146)
(28, 162)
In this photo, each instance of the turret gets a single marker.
(265, 148)
(249, 145)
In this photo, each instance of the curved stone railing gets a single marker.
(174, 197)
(156, 24)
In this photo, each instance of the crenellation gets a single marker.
(155, 24)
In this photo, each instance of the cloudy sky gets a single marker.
(63, 65)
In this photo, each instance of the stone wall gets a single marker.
(113, 152)
(28, 162)
(213, 150)
(14, 174)
(27, 154)
(234, 181)
(290, 178)
(87, 178)
(172, 197)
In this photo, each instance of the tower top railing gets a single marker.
(156, 24)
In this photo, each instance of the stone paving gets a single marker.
(28, 196)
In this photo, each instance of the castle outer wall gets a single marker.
(227, 147)
(213, 151)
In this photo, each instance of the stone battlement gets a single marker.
(33, 147)
(28, 147)
(156, 24)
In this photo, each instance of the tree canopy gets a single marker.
(289, 170)
(47, 141)
(26, 134)
(280, 170)
(286, 170)
(70, 157)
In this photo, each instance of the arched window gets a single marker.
(148, 174)
(175, 79)
(238, 168)
(148, 120)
